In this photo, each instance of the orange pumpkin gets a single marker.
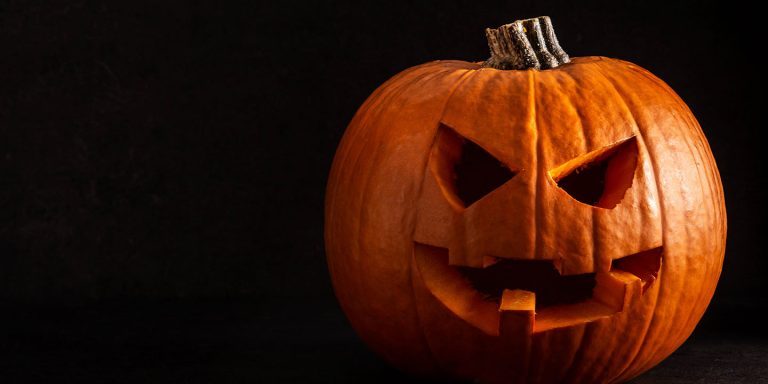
(528, 219)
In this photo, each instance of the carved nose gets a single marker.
(501, 224)
(526, 218)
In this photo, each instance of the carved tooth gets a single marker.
(517, 313)
(516, 319)
(617, 289)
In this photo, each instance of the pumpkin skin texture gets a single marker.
(397, 234)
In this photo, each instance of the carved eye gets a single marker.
(466, 170)
(599, 178)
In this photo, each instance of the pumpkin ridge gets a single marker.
(589, 329)
(579, 114)
(420, 324)
(465, 78)
(537, 208)
(583, 330)
(459, 82)
(684, 114)
(337, 179)
(374, 101)
(372, 134)
(575, 356)
(654, 166)
(716, 188)
(674, 331)
(637, 365)
(364, 180)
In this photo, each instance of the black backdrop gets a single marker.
(162, 168)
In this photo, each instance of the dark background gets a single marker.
(163, 164)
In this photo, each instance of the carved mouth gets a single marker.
(532, 294)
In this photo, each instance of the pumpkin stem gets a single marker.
(525, 44)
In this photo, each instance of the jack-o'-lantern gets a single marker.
(531, 218)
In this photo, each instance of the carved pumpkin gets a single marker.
(528, 219)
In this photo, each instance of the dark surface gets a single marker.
(162, 172)
(265, 341)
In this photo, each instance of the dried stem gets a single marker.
(525, 44)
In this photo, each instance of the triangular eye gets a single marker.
(599, 178)
(465, 169)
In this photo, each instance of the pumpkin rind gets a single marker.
(381, 201)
